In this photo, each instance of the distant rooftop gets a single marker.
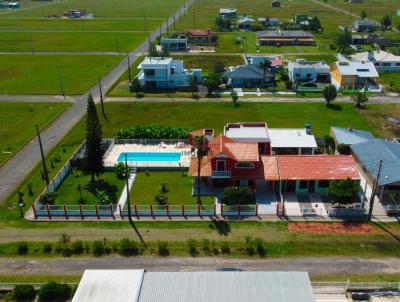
(310, 64)
(361, 69)
(284, 34)
(349, 136)
(156, 61)
(376, 56)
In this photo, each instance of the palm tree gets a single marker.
(266, 65)
(200, 144)
(360, 98)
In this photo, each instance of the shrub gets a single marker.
(260, 248)
(22, 248)
(237, 195)
(66, 251)
(192, 245)
(249, 246)
(98, 248)
(343, 191)
(225, 248)
(120, 170)
(162, 248)
(102, 197)
(47, 248)
(214, 247)
(24, 292)
(53, 291)
(77, 247)
(206, 247)
(153, 132)
(48, 198)
(161, 199)
(128, 247)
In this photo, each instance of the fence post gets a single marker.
(151, 210)
(136, 213)
(97, 212)
(256, 209)
(222, 210)
(238, 210)
(120, 211)
(198, 210)
(65, 212)
(167, 208)
(215, 210)
(34, 211)
(183, 210)
(81, 210)
(111, 211)
(48, 211)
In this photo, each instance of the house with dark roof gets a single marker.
(199, 37)
(275, 3)
(364, 25)
(285, 37)
(250, 76)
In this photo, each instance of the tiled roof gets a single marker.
(270, 166)
(205, 170)
(232, 149)
(317, 167)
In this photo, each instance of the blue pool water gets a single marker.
(150, 156)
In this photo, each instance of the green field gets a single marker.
(78, 73)
(18, 120)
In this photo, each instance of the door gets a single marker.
(311, 186)
(221, 165)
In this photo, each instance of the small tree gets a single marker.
(98, 248)
(192, 85)
(48, 198)
(22, 248)
(24, 293)
(359, 99)
(212, 82)
(153, 50)
(53, 291)
(315, 24)
(128, 247)
(165, 51)
(386, 21)
(235, 97)
(343, 191)
(237, 195)
(343, 40)
(136, 86)
(93, 149)
(330, 94)
(219, 67)
(363, 14)
(120, 170)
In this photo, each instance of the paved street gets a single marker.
(18, 167)
(314, 265)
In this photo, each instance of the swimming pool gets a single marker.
(150, 156)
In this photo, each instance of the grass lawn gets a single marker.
(67, 41)
(391, 80)
(68, 192)
(194, 115)
(377, 116)
(18, 120)
(79, 73)
(148, 185)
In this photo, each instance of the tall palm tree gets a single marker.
(200, 144)
(266, 65)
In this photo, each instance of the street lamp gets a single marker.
(21, 204)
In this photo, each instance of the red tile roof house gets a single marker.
(240, 162)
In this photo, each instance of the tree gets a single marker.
(165, 51)
(235, 97)
(330, 94)
(386, 21)
(219, 67)
(237, 195)
(266, 65)
(212, 82)
(153, 50)
(315, 24)
(363, 14)
(136, 86)
(343, 191)
(201, 145)
(53, 291)
(192, 85)
(93, 150)
(343, 40)
(359, 99)
(24, 292)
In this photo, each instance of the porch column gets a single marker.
(381, 193)
(299, 151)
(312, 151)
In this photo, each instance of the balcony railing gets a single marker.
(221, 174)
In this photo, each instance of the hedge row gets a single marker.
(153, 132)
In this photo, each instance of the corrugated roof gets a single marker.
(249, 72)
(109, 286)
(351, 136)
(317, 167)
(226, 287)
(291, 138)
(283, 34)
(371, 152)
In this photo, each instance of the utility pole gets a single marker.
(129, 69)
(46, 174)
(374, 187)
(128, 201)
(174, 21)
(101, 98)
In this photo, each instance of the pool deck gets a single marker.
(112, 158)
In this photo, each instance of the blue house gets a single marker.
(308, 71)
(175, 44)
(250, 76)
(166, 73)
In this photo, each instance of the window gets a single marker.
(150, 72)
(376, 64)
(308, 75)
(386, 64)
(244, 165)
(323, 184)
(303, 184)
(397, 64)
(172, 70)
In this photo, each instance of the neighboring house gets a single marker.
(368, 154)
(275, 3)
(268, 22)
(199, 37)
(295, 141)
(302, 20)
(359, 75)
(364, 25)
(356, 1)
(276, 62)
(228, 12)
(244, 22)
(144, 286)
(288, 37)
(350, 136)
(307, 71)
(250, 76)
(360, 39)
(166, 73)
(383, 61)
(175, 44)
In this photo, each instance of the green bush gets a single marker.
(128, 247)
(98, 248)
(48, 198)
(153, 132)
(249, 246)
(161, 199)
(66, 251)
(343, 191)
(77, 247)
(22, 248)
(162, 248)
(237, 195)
(192, 245)
(206, 247)
(47, 248)
(53, 291)
(120, 170)
(24, 292)
(225, 248)
(260, 247)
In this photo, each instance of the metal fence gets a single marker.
(347, 212)
(124, 141)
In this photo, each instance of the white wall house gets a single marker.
(383, 61)
(305, 71)
(166, 73)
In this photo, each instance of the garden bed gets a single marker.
(337, 228)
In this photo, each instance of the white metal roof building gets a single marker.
(292, 138)
(247, 132)
(382, 60)
(106, 286)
